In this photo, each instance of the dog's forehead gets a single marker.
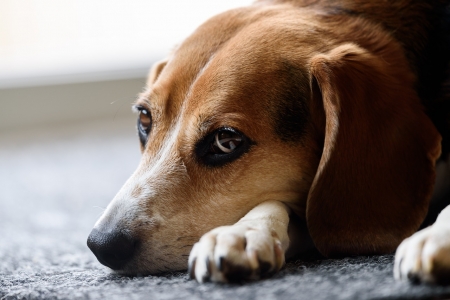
(191, 57)
(233, 65)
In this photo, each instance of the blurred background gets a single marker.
(69, 72)
(66, 61)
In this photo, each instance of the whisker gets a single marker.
(102, 208)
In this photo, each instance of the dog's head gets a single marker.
(256, 106)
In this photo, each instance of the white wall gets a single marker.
(44, 41)
(68, 60)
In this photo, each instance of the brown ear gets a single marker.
(376, 173)
(155, 70)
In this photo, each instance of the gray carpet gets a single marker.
(54, 184)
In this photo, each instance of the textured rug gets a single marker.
(54, 184)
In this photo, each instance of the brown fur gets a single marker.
(378, 160)
(329, 95)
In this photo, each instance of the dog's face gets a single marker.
(220, 131)
(266, 103)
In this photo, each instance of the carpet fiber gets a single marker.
(55, 183)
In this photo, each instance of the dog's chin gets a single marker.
(144, 266)
(141, 273)
(136, 272)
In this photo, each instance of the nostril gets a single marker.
(113, 249)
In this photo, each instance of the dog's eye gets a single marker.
(222, 146)
(225, 142)
(144, 124)
(144, 120)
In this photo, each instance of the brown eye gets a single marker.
(145, 120)
(144, 123)
(225, 142)
(222, 146)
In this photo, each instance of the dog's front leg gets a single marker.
(425, 256)
(251, 248)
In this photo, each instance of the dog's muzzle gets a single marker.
(113, 249)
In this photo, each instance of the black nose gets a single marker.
(113, 249)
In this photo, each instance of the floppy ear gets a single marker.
(155, 70)
(376, 173)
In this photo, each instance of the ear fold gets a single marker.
(155, 70)
(376, 172)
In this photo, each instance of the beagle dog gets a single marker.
(286, 125)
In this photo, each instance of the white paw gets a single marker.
(235, 253)
(425, 256)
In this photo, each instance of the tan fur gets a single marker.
(397, 147)
(360, 175)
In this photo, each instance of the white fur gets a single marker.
(150, 174)
(261, 235)
(419, 256)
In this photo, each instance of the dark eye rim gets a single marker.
(217, 160)
(143, 134)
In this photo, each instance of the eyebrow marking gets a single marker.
(200, 73)
(145, 97)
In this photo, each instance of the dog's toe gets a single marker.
(235, 253)
(424, 257)
(201, 256)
